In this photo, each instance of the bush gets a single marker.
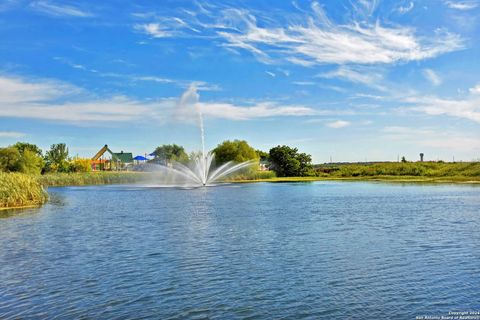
(80, 165)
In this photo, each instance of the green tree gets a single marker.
(10, 159)
(287, 162)
(31, 162)
(404, 160)
(22, 146)
(262, 155)
(56, 158)
(170, 152)
(236, 151)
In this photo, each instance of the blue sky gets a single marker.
(351, 80)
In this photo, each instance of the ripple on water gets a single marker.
(317, 250)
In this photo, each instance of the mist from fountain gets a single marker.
(200, 170)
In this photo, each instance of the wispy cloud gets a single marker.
(475, 89)
(461, 5)
(407, 8)
(338, 124)
(154, 30)
(321, 41)
(12, 134)
(318, 40)
(357, 75)
(432, 76)
(468, 108)
(59, 10)
(49, 100)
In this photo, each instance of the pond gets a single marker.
(260, 250)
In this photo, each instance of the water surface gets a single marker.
(292, 250)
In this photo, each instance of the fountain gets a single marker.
(200, 171)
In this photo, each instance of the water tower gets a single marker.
(421, 157)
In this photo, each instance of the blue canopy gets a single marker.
(140, 158)
(152, 154)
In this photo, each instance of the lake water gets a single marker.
(257, 251)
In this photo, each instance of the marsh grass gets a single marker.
(436, 172)
(21, 190)
(413, 169)
(90, 178)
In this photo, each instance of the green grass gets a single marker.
(90, 178)
(414, 169)
(21, 190)
(436, 172)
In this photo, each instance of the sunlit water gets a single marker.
(308, 250)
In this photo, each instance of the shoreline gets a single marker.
(396, 179)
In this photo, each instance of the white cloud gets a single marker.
(260, 110)
(271, 74)
(461, 5)
(407, 8)
(154, 29)
(59, 10)
(363, 76)
(49, 100)
(475, 90)
(468, 108)
(432, 76)
(311, 39)
(321, 41)
(11, 134)
(338, 124)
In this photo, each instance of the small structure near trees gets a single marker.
(117, 160)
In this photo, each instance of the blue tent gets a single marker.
(140, 158)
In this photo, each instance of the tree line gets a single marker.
(285, 161)
(28, 158)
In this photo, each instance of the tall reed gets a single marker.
(20, 190)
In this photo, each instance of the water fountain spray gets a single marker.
(199, 172)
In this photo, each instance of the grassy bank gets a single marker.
(411, 169)
(90, 178)
(20, 190)
(435, 172)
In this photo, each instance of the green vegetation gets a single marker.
(413, 169)
(23, 160)
(56, 159)
(170, 152)
(90, 178)
(441, 172)
(236, 151)
(20, 190)
(288, 162)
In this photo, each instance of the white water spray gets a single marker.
(199, 171)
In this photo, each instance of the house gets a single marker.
(105, 159)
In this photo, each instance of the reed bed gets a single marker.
(21, 190)
(90, 178)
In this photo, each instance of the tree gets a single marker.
(22, 146)
(287, 162)
(404, 160)
(170, 152)
(80, 165)
(14, 160)
(56, 158)
(9, 159)
(262, 155)
(236, 151)
(31, 162)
